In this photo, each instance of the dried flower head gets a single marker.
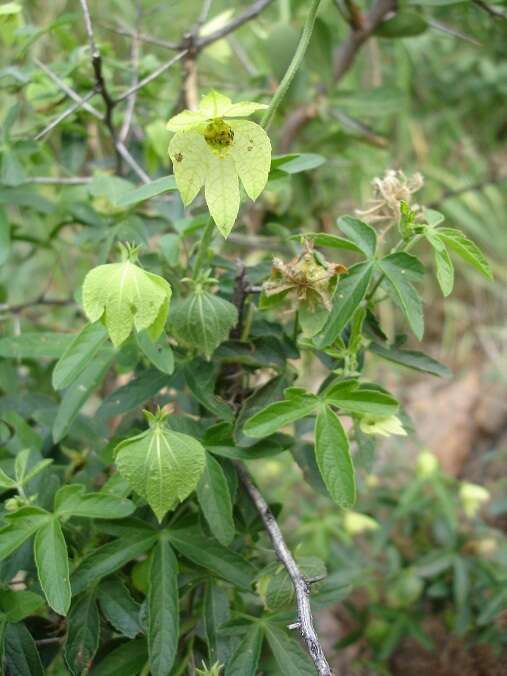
(308, 274)
(389, 192)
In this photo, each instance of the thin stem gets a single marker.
(202, 250)
(294, 65)
(301, 585)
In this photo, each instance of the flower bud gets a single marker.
(356, 523)
(472, 498)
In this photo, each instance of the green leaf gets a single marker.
(77, 356)
(163, 609)
(202, 321)
(411, 359)
(362, 234)
(119, 608)
(215, 501)
(159, 354)
(445, 271)
(82, 634)
(331, 241)
(362, 400)
(19, 604)
(123, 295)
(52, 563)
(206, 552)
(200, 377)
(35, 345)
(333, 458)
(22, 658)
(78, 393)
(127, 660)
(216, 612)
(5, 237)
(466, 249)
(145, 192)
(296, 162)
(288, 652)
(400, 269)
(133, 394)
(280, 413)
(6, 481)
(404, 24)
(244, 660)
(35, 470)
(162, 466)
(267, 393)
(21, 525)
(170, 248)
(350, 292)
(71, 500)
(110, 557)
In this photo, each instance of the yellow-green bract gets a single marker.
(211, 148)
(123, 295)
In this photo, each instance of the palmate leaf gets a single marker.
(160, 465)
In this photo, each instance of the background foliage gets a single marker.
(425, 93)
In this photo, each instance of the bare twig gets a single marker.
(361, 28)
(131, 101)
(16, 309)
(347, 52)
(301, 586)
(148, 39)
(132, 163)
(68, 90)
(152, 76)
(495, 12)
(101, 86)
(59, 118)
(249, 13)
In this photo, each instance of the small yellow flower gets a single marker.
(356, 523)
(472, 498)
(384, 427)
(427, 464)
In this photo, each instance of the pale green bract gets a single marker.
(208, 151)
(160, 465)
(123, 296)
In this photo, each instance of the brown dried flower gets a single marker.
(389, 192)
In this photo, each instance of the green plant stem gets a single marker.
(294, 65)
(202, 249)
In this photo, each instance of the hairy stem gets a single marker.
(294, 65)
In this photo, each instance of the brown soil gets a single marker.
(449, 657)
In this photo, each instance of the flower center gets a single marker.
(218, 134)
